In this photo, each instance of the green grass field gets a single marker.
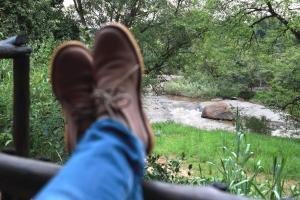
(202, 146)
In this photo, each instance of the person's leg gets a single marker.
(108, 163)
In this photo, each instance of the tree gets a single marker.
(164, 28)
(37, 19)
(93, 13)
(254, 12)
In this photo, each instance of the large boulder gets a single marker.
(218, 111)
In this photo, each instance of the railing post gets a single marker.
(13, 48)
(21, 105)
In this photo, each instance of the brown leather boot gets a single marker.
(118, 66)
(72, 84)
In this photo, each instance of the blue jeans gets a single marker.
(107, 164)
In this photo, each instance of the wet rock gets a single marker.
(218, 110)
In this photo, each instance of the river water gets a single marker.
(188, 111)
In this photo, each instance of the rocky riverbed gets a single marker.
(188, 111)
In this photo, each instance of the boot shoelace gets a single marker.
(114, 98)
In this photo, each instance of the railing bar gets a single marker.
(26, 177)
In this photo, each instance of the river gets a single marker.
(188, 111)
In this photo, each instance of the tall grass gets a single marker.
(249, 164)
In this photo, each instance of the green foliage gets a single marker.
(200, 147)
(167, 170)
(6, 101)
(223, 48)
(256, 125)
(46, 123)
(234, 159)
(37, 19)
(46, 116)
(5, 139)
(182, 87)
(264, 97)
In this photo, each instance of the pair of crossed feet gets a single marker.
(102, 83)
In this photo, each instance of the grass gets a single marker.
(202, 146)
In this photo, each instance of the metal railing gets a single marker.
(22, 178)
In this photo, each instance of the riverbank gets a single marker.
(188, 111)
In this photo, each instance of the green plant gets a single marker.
(243, 161)
(173, 170)
(168, 170)
(185, 87)
(233, 169)
(246, 94)
(6, 86)
(240, 181)
(257, 125)
(46, 117)
(5, 139)
(46, 123)
(151, 82)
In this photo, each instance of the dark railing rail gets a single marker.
(22, 178)
(13, 48)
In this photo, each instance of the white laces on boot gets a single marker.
(114, 98)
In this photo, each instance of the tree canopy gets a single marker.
(241, 48)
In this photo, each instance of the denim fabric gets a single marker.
(107, 164)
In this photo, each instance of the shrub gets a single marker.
(206, 89)
(167, 170)
(182, 87)
(246, 94)
(264, 97)
(257, 125)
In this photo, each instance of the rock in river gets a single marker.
(218, 110)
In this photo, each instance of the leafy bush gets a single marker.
(151, 83)
(206, 89)
(167, 170)
(183, 87)
(246, 94)
(264, 97)
(256, 125)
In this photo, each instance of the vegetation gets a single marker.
(247, 49)
(46, 123)
(37, 19)
(200, 147)
(235, 48)
(249, 164)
